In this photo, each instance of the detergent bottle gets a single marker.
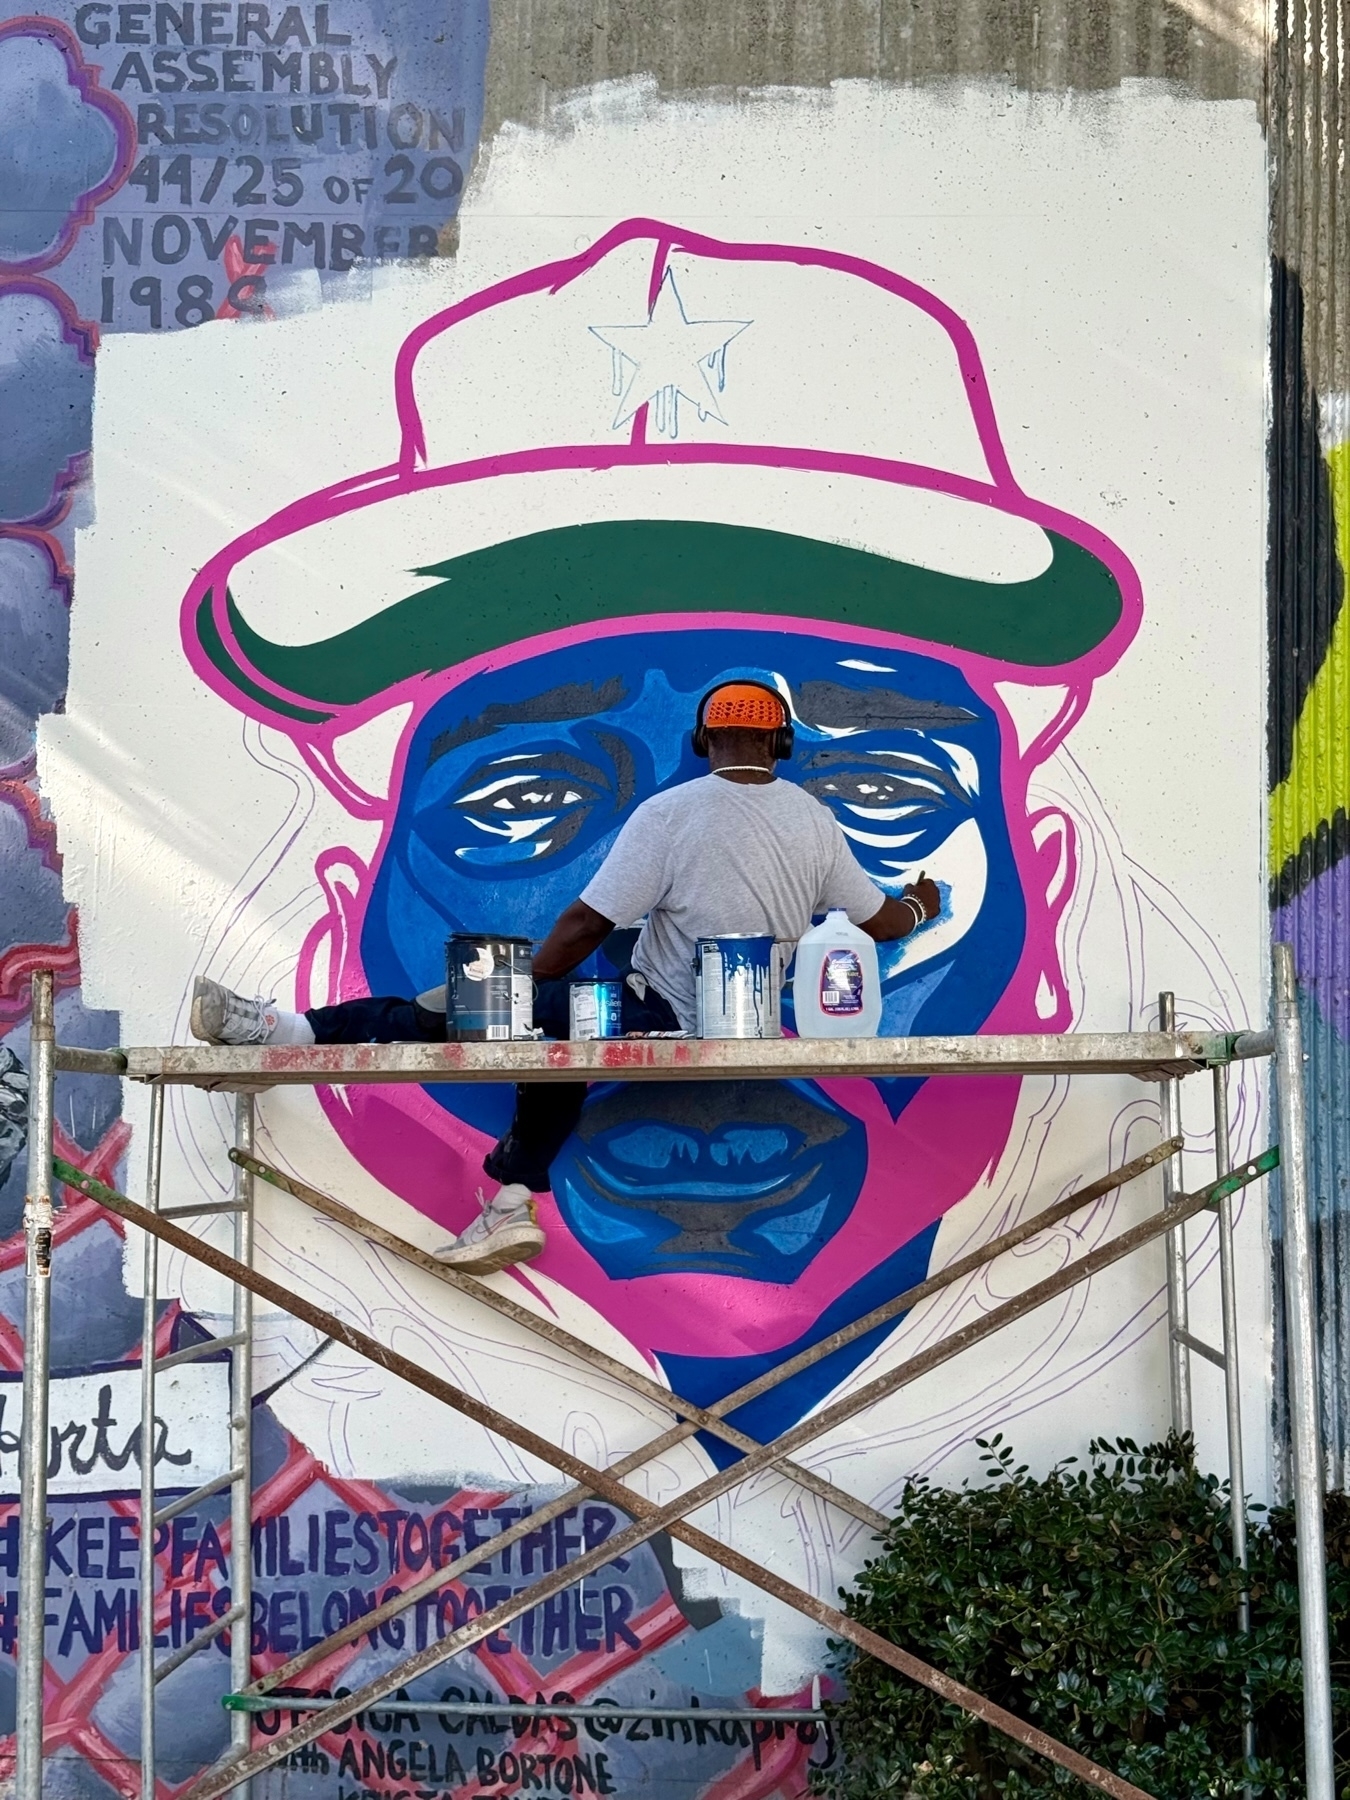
(836, 985)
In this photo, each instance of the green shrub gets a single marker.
(1098, 1604)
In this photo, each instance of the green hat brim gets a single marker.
(617, 569)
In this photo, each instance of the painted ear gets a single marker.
(1056, 841)
(329, 966)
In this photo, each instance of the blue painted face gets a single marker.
(516, 785)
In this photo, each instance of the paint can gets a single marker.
(739, 983)
(594, 1009)
(489, 995)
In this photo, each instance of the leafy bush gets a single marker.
(1099, 1604)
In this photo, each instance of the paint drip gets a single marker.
(739, 985)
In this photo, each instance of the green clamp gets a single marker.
(1242, 1177)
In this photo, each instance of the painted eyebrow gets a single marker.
(907, 756)
(917, 769)
(824, 759)
(571, 700)
(830, 705)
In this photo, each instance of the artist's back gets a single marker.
(715, 857)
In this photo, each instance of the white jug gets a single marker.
(836, 983)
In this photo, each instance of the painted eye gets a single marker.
(895, 793)
(523, 793)
(534, 807)
(889, 786)
(527, 805)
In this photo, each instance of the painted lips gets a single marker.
(751, 1181)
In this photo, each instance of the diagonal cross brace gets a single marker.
(652, 1519)
(710, 1419)
(696, 1416)
(699, 1417)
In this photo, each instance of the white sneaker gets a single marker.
(505, 1232)
(222, 1017)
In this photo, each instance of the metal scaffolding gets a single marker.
(1166, 1056)
(238, 1478)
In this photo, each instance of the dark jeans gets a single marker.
(546, 1112)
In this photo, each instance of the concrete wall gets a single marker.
(541, 53)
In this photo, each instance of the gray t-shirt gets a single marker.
(716, 857)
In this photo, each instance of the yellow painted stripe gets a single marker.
(1318, 782)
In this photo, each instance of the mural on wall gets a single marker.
(725, 1230)
(182, 163)
(326, 1552)
(1310, 793)
(599, 483)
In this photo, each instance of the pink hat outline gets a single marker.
(409, 473)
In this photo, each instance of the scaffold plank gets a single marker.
(1150, 1055)
(71, 1059)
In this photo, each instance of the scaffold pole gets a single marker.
(1301, 1352)
(241, 1437)
(37, 1232)
(154, 1156)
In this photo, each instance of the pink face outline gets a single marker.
(951, 1135)
(944, 1142)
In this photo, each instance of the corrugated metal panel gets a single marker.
(1310, 625)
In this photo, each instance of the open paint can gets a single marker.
(739, 986)
(489, 996)
(594, 1009)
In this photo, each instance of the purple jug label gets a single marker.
(841, 983)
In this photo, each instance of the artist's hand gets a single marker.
(896, 918)
(925, 891)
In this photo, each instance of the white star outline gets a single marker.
(655, 362)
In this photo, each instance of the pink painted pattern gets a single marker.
(84, 78)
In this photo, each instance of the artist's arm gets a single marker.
(896, 919)
(630, 881)
(579, 930)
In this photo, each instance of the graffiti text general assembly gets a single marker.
(269, 139)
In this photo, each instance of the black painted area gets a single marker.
(1316, 854)
(1305, 585)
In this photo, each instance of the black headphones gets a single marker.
(781, 738)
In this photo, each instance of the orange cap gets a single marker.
(743, 704)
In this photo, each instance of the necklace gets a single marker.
(745, 769)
